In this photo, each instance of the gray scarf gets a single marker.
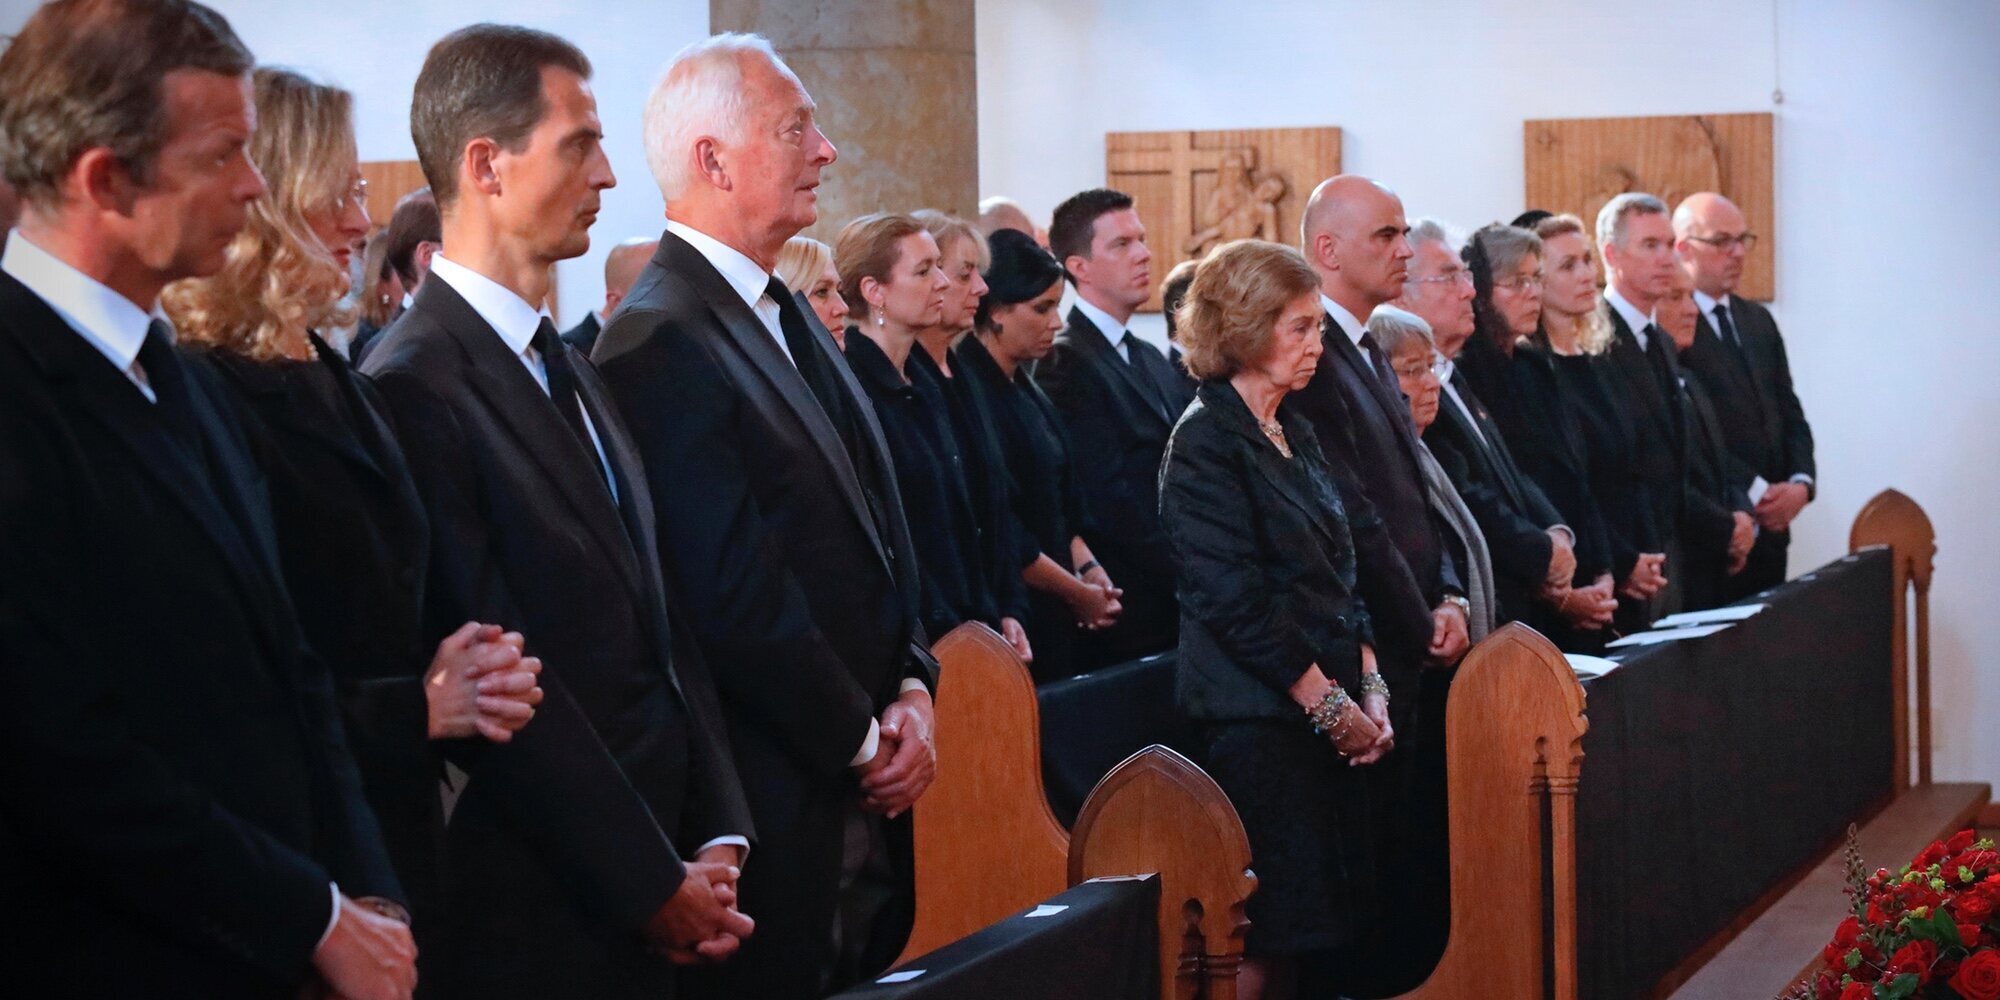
(1478, 563)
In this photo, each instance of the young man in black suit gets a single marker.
(182, 814)
(778, 505)
(1119, 398)
(540, 516)
(1739, 355)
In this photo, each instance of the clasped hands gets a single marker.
(700, 922)
(905, 760)
(1362, 734)
(1781, 503)
(479, 684)
(1742, 536)
(1648, 576)
(1099, 607)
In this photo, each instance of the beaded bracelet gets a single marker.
(1326, 715)
(1372, 683)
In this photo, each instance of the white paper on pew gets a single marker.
(1119, 878)
(1044, 910)
(1587, 665)
(1733, 613)
(1667, 635)
(901, 977)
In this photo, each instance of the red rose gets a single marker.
(1972, 908)
(1979, 977)
(1916, 957)
(1959, 841)
(1857, 991)
(1826, 987)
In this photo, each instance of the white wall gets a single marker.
(1891, 111)
(1887, 140)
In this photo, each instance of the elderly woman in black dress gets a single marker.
(1276, 660)
(1014, 327)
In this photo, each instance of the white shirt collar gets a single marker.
(1707, 304)
(1633, 317)
(1112, 330)
(107, 320)
(508, 314)
(1354, 328)
(742, 273)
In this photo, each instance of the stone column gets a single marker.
(896, 84)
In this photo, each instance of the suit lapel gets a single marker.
(276, 383)
(1089, 338)
(1275, 469)
(499, 378)
(1395, 410)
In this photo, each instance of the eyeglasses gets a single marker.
(1417, 371)
(1727, 242)
(1457, 275)
(1529, 283)
(356, 195)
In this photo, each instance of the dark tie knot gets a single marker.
(778, 292)
(546, 340)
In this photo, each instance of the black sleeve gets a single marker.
(1399, 614)
(1797, 436)
(563, 791)
(771, 660)
(1124, 511)
(1520, 548)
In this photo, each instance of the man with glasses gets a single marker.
(1533, 552)
(1739, 356)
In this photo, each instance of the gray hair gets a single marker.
(1395, 329)
(1611, 218)
(1428, 230)
(1504, 246)
(700, 94)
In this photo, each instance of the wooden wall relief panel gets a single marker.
(1578, 164)
(1196, 190)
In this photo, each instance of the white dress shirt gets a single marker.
(105, 319)
(1633, 317)
(744, 277)
(516, 322)
(1451, 392)
(1114, 332)
(1354, 328)
(752, 283)
(114, 326)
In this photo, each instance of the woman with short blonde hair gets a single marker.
(805, 265)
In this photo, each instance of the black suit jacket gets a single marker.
(1117, 430)
(1268, 583)
(1512, 512)
(1650, 377)
(179, 793)
(796, 563)
(354, 545)
(1364, 428)
(1760, 416)
(624, 763)
(1717, 491)
(583, 336)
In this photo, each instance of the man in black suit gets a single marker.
(1718, 529)
(540, 517)
(1740, 357)
(1534, 553)
(1354, 235)
(780, 525)
(1119, 398)
(182, 815)
(414, 234)
(621, 268)
(1637, 245)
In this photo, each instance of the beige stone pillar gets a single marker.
(897, 89)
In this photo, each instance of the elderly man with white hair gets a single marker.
(779, 525)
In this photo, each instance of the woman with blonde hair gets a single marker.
(352, 535)
(1277, 664)
(805, 265)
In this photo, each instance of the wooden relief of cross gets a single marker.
(1179, 161)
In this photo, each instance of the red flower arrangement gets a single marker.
(1928, 932)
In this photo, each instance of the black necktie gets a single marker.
(1381, 364)
(813, 365)
(168, 379)
(562, 389)
(1148, 362)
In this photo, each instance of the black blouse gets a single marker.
(930, 479)
(1547, 441)
(1003, 547)
(1609, 441)
(1047, 499)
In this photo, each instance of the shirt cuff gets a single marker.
(1757, 488)
(332, 919)
(912, 684)
(869, 745)
(1805, 480)
(732, 839)
(1568, 535)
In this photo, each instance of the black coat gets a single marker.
(1117, 426)
(588, 808)
(582, 336)
(354, 545)
(1512, 512)
(1003, 547)
(1648, 377)
(1268, 582)
(1553, 452)
(1717, 485)
(179, 791)
(797, 564)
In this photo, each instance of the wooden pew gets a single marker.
(987, 844)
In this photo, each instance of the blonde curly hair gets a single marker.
(278, 278)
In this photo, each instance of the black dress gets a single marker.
(353, 544)
(1266, 571)
(1003, 547)
(930, 479)
(1048, 505)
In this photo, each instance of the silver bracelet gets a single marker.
(1326, 715)
(1372, 683)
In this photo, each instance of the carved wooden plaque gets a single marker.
(1578, 164)
(1195, 190)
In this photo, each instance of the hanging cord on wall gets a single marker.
(1777, 78)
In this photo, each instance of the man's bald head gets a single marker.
(997, 213)
(1354, 234)
(1713, 241)
(622, 266)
